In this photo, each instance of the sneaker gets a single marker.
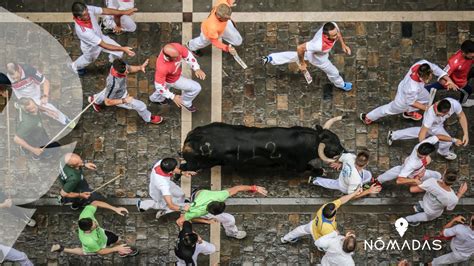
(81, 72)
(417, 207)
(57, 248)
(239, 235)
(450, 156)
(468, 103)
(347, 86)
(389, 138)
(74, 206)
(265, 59)
(134, 252)
(159, 214)
(139, 202)
(191, 108)
(291, 241)
(413, 116)
(96, 107)
(364, 119)
(413, 223)
(30, 222)
(156, 119)
(311, 179)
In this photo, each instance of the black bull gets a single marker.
(250, 147)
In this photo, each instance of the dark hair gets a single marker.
(119, 65)
(362, 158)
(190, 240)
(450, 177)
(85, 224)
(216, 207)
(467, 47)
(328, 26)
(78, 9)
(426, 148)
(329, 210)
(349, 244)
(425, 70)
(443, 106)
(168, 164)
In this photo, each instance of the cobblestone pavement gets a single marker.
(265, 96)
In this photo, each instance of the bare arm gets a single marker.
(236, 189)
(115, 12)
(344, 47)
(25, 145)
(420, 106)
(111, 47)
(422, 134)
(346, 198)
(407, 181)
(142, 67)
(105, 205)
(300, 50)
(465, 130)
(171, 205)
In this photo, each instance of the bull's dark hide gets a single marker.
(250, 147)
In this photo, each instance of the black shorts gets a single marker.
(111, 238)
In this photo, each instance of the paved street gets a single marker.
(261, 96)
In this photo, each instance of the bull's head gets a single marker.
(329, 144)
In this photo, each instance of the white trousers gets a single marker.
(89, 55)
(448, 259)
(136, 105)
(320, 61)
(126, 23)
(393, 173)
(14, 255)
(53, 112)
(412, 133)
(190, 90)
(177, 196)
(423, 216)
(334, 183)
(395, 108)
(302, 230)
(205, 248)
(227, 221)
(230, 35)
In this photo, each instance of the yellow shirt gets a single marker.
(322, 226)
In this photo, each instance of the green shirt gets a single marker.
(96, 239)
(30, 129)
(71, 178)
(199, 206)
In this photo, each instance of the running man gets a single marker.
(413, 170)
(119, 23)
(353, 175)
(94, 239)
(27, 81)
(458, 68)
(338, 249)
(9, 254)
(433, 124)
(462, 242)
(93, 42)
(168, 75)
(209, 206)
(411, 93)
(316, 52)
(166, 196)
(116, 94)
(323, 223)
(217, 24)
(190, 245)
(438, 196)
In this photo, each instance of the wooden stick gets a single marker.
(108, 182)
(239, 60)
(8, 177)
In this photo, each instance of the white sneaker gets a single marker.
(468, 103)
(284, 241)
(239, 235)
(450, 156)
(160, 213)
(31, 223)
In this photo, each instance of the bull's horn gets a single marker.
(323, 156)
(331, 121)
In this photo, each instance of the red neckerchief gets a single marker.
(327, 42)
(82, 23)
(160, 172)
(116, 74)
(414, 75)
(424, 161)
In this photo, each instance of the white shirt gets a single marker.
(29, 84)
(159, 185)
(316, 44)
(431, 120)
(120, 4)
(349, 177)
(332, 245)
(409, 89)
(90, 38)
(463, 241)
(413, 165)
(437, 198)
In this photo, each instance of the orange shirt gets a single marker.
(213, 28)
